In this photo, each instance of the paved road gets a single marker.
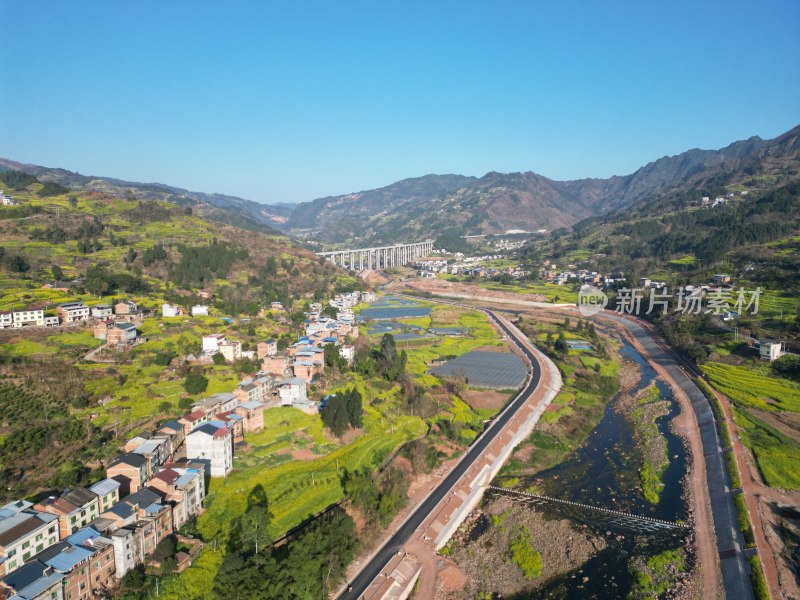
(733, 564)
(372, 569)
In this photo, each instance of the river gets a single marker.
(604, 472)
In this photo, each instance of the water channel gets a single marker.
(604, 472)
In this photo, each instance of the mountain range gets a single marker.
(436, 205)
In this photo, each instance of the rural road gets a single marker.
(372, 569)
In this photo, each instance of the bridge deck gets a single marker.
(593, 515)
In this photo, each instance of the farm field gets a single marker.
(553, 292)
(756, 388)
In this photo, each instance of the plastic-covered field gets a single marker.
(495, 370)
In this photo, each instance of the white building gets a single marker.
(348, 352)
(170, 310)
(213, 446)
(199, 310)
(231, 350)
(102, 311)
(6, 320)
(212, 342)
(292, 391)
(771, 350)
(27, 318)
(23, 533)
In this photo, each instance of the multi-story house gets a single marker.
(74, 509)
(217, 403)
(6, 320)
(119, 334)
(23, 533)
(156, 450)
(72, 312)
(170, 310)
(181, 488)
(135, 541)
(28, 318)
(126, 307)
(102, 311)
(231, 350)
(252, 414)
(192, 420)
(107, 492)
(174, 431)
(101, 567)
(131, 470)
(267, 348)
(213, 446)
(34, 581)
(233, 422)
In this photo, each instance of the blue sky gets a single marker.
(289, 101)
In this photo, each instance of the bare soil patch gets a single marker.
(491, 399)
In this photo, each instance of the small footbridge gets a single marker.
(593, 516)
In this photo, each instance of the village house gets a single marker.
(348, 352)
(156, 450)
(181, 488)
(131, 471)
(6, 320)
(232, 421)
(23, 533)
(216, 403)
(121, 334)
(134, 541)
(170, 310)
(276, 306)
(107, 492)
(100, 568)
(28, 318)
(199, 310)
(213, 446)
(231, 350)
(247, 392)
(34, 581)
(175, 432)
(72, 312)
(126, 307)
(252, 414)
(304, 370)
(276, 365)
(212, 342)
(770, 350)
(74, 509)
(192, 420)
(721, 278)
(267, 348)
(102, 311)
(292, 391)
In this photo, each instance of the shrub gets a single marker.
(525, 557)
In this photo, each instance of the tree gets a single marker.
(218, 359)
(561, 346)
(254, 525)
(195, 382)
(58, 274)
(354, 408)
